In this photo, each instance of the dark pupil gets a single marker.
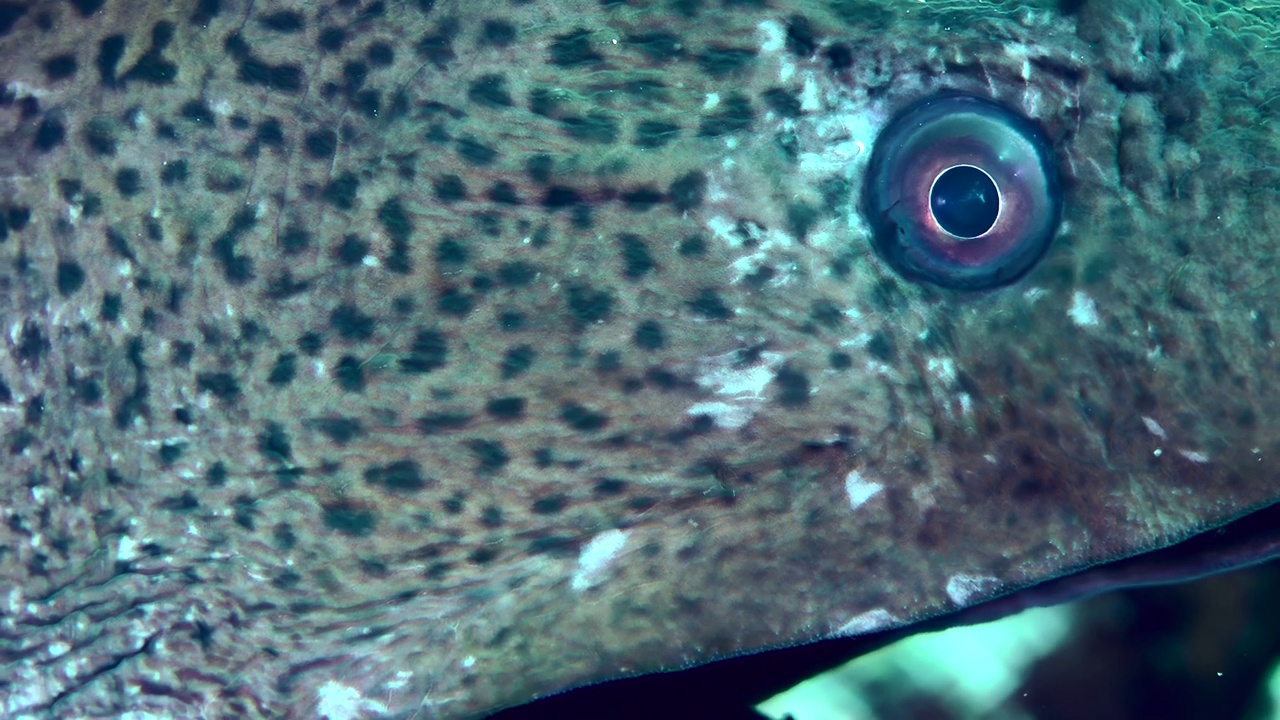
(965, 202)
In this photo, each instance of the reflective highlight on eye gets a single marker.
(963, 193)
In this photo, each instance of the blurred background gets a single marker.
(1169, 634)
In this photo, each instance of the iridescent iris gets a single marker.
(962, 192)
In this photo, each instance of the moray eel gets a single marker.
(413, 359)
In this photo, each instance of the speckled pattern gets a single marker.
(411, 359)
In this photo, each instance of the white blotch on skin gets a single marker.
(595, 557)
(860, 489)
(336, 701)
(1154, 428)
(1084, 311)
(722, 414)
(962, 588)
(127, 550)
(1193, 456)
(772, 36)
(713, 99)
(868, 622)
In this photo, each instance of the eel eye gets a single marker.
(962, 192)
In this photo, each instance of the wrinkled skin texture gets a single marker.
(548, 347)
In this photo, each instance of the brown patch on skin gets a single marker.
(272, 394)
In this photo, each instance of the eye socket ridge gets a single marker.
(962, 192)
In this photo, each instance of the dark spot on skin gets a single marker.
(110, 51)
(221, 385)
(826, 313)
(505, 408)
(331, 39)
(320, 144)
(721, 61)
(516, 273)
(350, 323)
(294, 239)
(341, 190)
(491, 517)
(497, 33)
(800, 40)
(270, 133)
(449, 188)
(17, 217)
(50, 134)
(655, 134)
(483, 555)
(70, 278)
(283, 77)
(801, 217)
(186, 502)
(217, 474)
(197, 112)
(793, 387)
(782, 101)
(350, 520)
(33, 415)
(587, 304)
(594, 127)
(128, 181)
(274, 442)
(475, 152)
(10, 14)
(490, 90)
(582, 419)
(504, 193)
(339, 430)
(381, 54)
(451, 252)
(401, 475)
(735, 115)
(368, 103)
(839, 57)
(516, 361)
(550, 505)
(693, 246)
(636, 259)
(60, 67)
(349, 374)
(688, 190)
(354, 73)
(442, 422)
(539, 168)
(656, 46)
(437, 46)
(490, 455)
(609, 487)
(641, 199)
(573, 50)
(172, 172)
(351, 251)
(310, 343)
(455, 303)
(285, 369)
(709, 305)
(182, 354)
(559, 196)
(511, 321)
(649, 336)
(429, 351)
(881, 347)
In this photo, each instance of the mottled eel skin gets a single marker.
(411, 359)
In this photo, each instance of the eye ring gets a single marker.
(962, 192)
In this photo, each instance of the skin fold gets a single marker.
(414, 359)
